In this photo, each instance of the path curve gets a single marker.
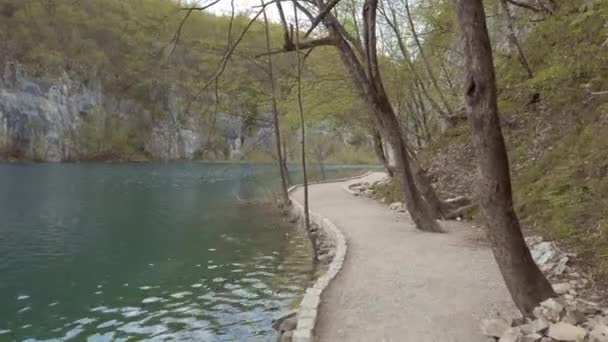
(400, 284)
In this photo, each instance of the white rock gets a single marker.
(599, 333)
(573, 316)
(511, 335)
(535, 326)
(566, 332)
(394, 206)
(495, 327)
(596, 321)
(530, 338)
(562, 288)
(553, 309)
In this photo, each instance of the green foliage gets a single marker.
(134, 49)
(104, 136)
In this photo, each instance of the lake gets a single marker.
(176, 251)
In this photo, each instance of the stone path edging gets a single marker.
(309, 306)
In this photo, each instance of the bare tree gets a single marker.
(425, 60)
(513, 40)
(526, 283)
(275, 114)
(362, 65)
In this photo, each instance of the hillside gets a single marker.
(116, 80)
(555, 124)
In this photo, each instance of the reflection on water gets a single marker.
(102, 252)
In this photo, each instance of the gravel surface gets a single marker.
(401, 284)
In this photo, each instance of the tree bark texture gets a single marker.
(527, 285)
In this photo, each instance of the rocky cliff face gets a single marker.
(45, 119)
(38, 117)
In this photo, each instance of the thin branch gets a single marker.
(222, 66)
(320, 16)
(178, 33)
(310, 44)
(525, 5)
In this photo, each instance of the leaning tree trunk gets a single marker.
(379, 150)
(387, 119)
(526, 283)
(423, 183)
(418, 208)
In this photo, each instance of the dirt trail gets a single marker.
(400, 284)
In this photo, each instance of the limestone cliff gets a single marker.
(50, 119)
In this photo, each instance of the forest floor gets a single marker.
(401, 284)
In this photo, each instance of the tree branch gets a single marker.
(310, 44)
(320, 16)
(524, 5)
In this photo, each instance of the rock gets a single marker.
(395, 206)
(551, 309)
(536, 326)
(588, 308)
(515, 322)
(566, 332)
(530, 338)
(562, 288)
(285, 322)
(547, 256)
(495, 327)
(511, 335)
(573, 316)
(599, 333)
(596, 321)
(324, 259)
(286, 336)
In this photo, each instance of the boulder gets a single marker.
(574, 316)
(511, 335)
(599, 333)
(495, 327)
(566, 332)
(551, 309)
(562, 288)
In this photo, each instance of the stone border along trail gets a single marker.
(398, 283)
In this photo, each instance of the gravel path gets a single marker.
(400, 284)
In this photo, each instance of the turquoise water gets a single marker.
(115, 252)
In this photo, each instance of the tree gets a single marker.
(526, 283)
(275, 116)
(361, 62)
(513, 40)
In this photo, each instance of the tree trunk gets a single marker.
(515, 45)
(284, 164)
(372, 93)
(379, 150)
(303, 133)
(526, 283)
(275, 116)
(423, 183)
